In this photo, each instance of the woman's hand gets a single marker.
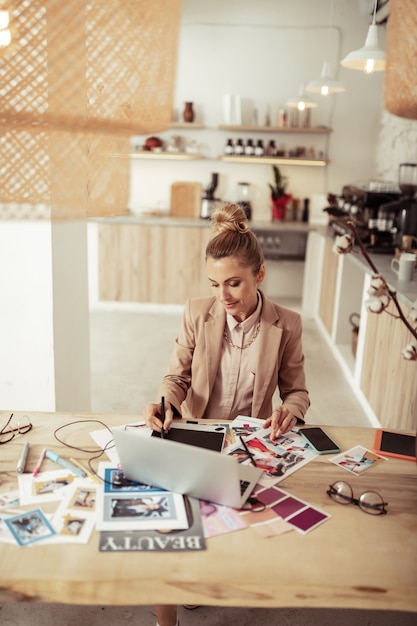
(152, 415)
(281, 421)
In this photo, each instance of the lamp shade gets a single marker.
(325, 84)
(302, 101)
(370, 58)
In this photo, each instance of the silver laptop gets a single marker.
(185, 469)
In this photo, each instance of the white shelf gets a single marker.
(162, 156)
(274, 160)
(187, 125)
(319, 130)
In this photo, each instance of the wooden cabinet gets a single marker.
(382, 380)
(328, 287)
(388, 381)
(152, 263)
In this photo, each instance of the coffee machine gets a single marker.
(209, 203)
(404, 210)
(362, 203)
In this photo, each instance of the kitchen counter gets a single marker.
(335, 287)
(197, 222)
(406, 290)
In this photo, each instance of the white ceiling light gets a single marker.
(370, 58)
(325, 84)
(302, 101)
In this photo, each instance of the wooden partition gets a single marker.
(388, 381)
(328, 287)
(152, 263)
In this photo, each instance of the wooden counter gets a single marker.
(335, 286)
(159, 259)
(353, 560)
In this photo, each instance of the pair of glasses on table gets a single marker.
(369, 502)
(13, 427)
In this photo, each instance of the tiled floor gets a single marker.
(130, 352)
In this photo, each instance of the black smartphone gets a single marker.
(319, 440)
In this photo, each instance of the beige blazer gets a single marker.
(194, 362)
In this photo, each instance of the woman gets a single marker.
(235, 348)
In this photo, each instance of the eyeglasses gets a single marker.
(369, 501)
(23, 426)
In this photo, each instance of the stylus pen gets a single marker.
(22, 461)
(248, 452)
(162, 416)
(57, 459)
(39, 463)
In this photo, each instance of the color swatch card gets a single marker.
(298, 513)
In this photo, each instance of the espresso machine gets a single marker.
(403, 212)
(209, 203)
(362, 203)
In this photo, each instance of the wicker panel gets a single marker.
(400, 87)
(81, 77)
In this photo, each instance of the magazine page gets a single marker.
(278, 459)
(127, 505)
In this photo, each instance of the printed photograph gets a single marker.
(357, 459)
(72, 525)
(83, 498)
(29, 527)
(116, 481)
(42, 487)
(150, 507)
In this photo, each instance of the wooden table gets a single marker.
(353, 560)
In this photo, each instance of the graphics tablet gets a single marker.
(399, 445)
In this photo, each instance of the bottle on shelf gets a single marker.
(305, 118)
(282, 118)
(229, 147)
(259, 148)
(306, 210)
(239, 148)
(188, 113)
(249, 148)
(268, 115)
(295, 118)
(271, 149)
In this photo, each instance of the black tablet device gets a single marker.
(391, 443)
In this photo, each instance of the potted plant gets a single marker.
(279, 196)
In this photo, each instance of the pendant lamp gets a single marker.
(302, 101)
(325, 84)
(370, 58)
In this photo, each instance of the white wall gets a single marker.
(397, 143)
(263, 51)
(44, 323)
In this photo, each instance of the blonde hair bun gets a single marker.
(229, 217)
